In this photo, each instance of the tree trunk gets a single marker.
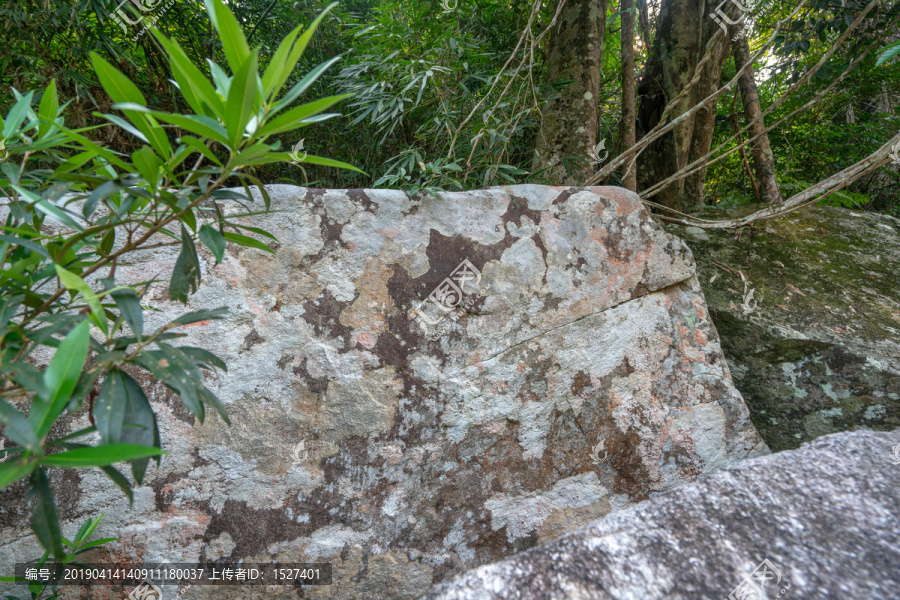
(628, 134)
(705, 119)
(760, 150)
(673, 57)
(569, 121)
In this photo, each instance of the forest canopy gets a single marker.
(458, 94)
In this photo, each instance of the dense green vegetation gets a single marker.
(416, 70)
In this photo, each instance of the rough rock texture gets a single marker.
(582, 376)
(817, 349)
(826, 517)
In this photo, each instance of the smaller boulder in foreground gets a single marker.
(822, 521)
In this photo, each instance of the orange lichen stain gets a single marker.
(366, 338)
(520, 367)
(198, 323)
(700, 336)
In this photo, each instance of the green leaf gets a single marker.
(60, 378)
(45, 521)
(25, 375)
(233, 41)
(200, 147)
(199, 124)
(168, 370)
(107, 242)
(74, 283)
(109, 408)
(119, 87)
(201, 315)
(147, 164)
(890, 51)
(36, 248)
(297, 51)
(48, 109)
(129, 305)
(203, 358)
(293, 118)
(12, 471)
(17, 428)
(277, 63)
(249, 242)
(186, 275)
(196, 89)
(100, 456)
(121, 482)
(303, 84)
(315, 160)
(16, 115)
(213, 240)
(243, 101)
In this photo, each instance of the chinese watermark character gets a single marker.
(752, 587)
(448, 297)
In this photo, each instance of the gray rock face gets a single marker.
(824, 518)
(817, 348)
(421, 385)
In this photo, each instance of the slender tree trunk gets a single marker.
(760, 150)
(673, 57)
(705, 119)
(569, 121)
(628, 132)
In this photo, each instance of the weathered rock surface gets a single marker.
(582, 376)
(817, 349)
(826, 517)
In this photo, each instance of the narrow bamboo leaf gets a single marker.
(60, 378)
(88, 528)
(200, 147)
(213, 240)
(12, 471)
(129, 306)
(109, 408)
(16, 115)
(119, 87)
(48, 109)
(104, 190)
(298, 48)
(192, 82)
(147, 164)
(294, 117)
(107, 242)
(202, 315)
(277, 64)
(212, 400)
(100, 456)
(249, 242)
(233, 41)
(186, 275)
(26, 375)
(33, 246)
(243, 101)
(17, 428)
(117, 120)
(161, 367)
(74, 283)
(45, 521)
(203, 358)
(303, 84)
(50, 209)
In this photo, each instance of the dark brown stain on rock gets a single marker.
(324, 314)
(251, 339)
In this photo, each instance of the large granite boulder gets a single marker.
(817, 347)
(421, 385)
(818, 522)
